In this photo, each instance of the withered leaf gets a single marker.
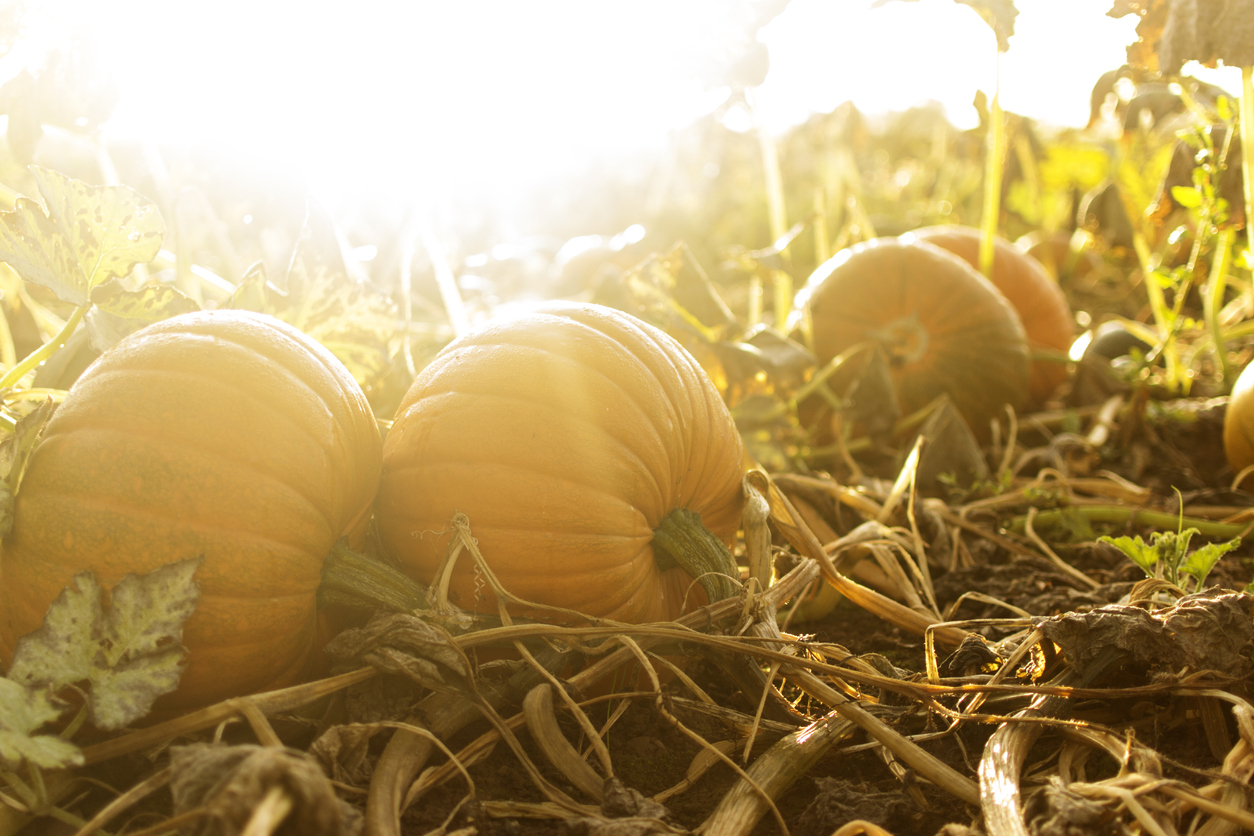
(404, 644)
(950, 450)
(1209, 630)
(231, 781)
(344, 752)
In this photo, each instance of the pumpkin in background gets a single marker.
(943, 328)
(1039, 301)
(1239, 424)
(225, 434)
(1058, 255)
(566, 435)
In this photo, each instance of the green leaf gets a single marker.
(1204, 559)
(119, 312)
(126, 656)
(252, 292)
(23, 711)
(1186, 197)
(1137, 550)
(353, 320)
(87, 235)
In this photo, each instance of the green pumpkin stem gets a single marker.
(354, 580)
(683, 540)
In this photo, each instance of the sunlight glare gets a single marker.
(432, 100)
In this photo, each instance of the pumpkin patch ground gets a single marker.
(879, 476)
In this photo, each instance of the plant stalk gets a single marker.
(992, 174)
(15, 374)
(1247, 152)
(1214, 298)
(1125, 515)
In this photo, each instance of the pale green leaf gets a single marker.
(124, 657)
(1137, 550)
(87, 235)
(141, 642)
(61, 651)
(23, 711)
(1204, 559)
(43, 750)
(146, 612)
(26, 710)
(118, 312)
(121, 695)
(252, 292)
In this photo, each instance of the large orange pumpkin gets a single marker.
(224, 434)
(941, 325)
(566, 435)
(1039, 301)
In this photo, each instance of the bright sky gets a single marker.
(499, 94)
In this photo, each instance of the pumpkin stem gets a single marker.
(354, 580)
(683, 540)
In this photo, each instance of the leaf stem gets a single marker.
(995, 153)
(1247, 150)
(1213, 299)
(15, 374)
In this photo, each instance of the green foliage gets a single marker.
(122, 657)
(81, 237)
(1167, 555)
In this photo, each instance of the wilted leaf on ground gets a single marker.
(1210, 630)
(118, 312)
(23, 711)
(232, 781)
(344, 752)
(128, 655)
(88, 235)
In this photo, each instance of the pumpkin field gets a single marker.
(878, 477)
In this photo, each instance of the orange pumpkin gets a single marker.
(1058, 256)
(225, 434)
(566, 435)
(941, 325)
(1037, 298)
(1239, 424)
